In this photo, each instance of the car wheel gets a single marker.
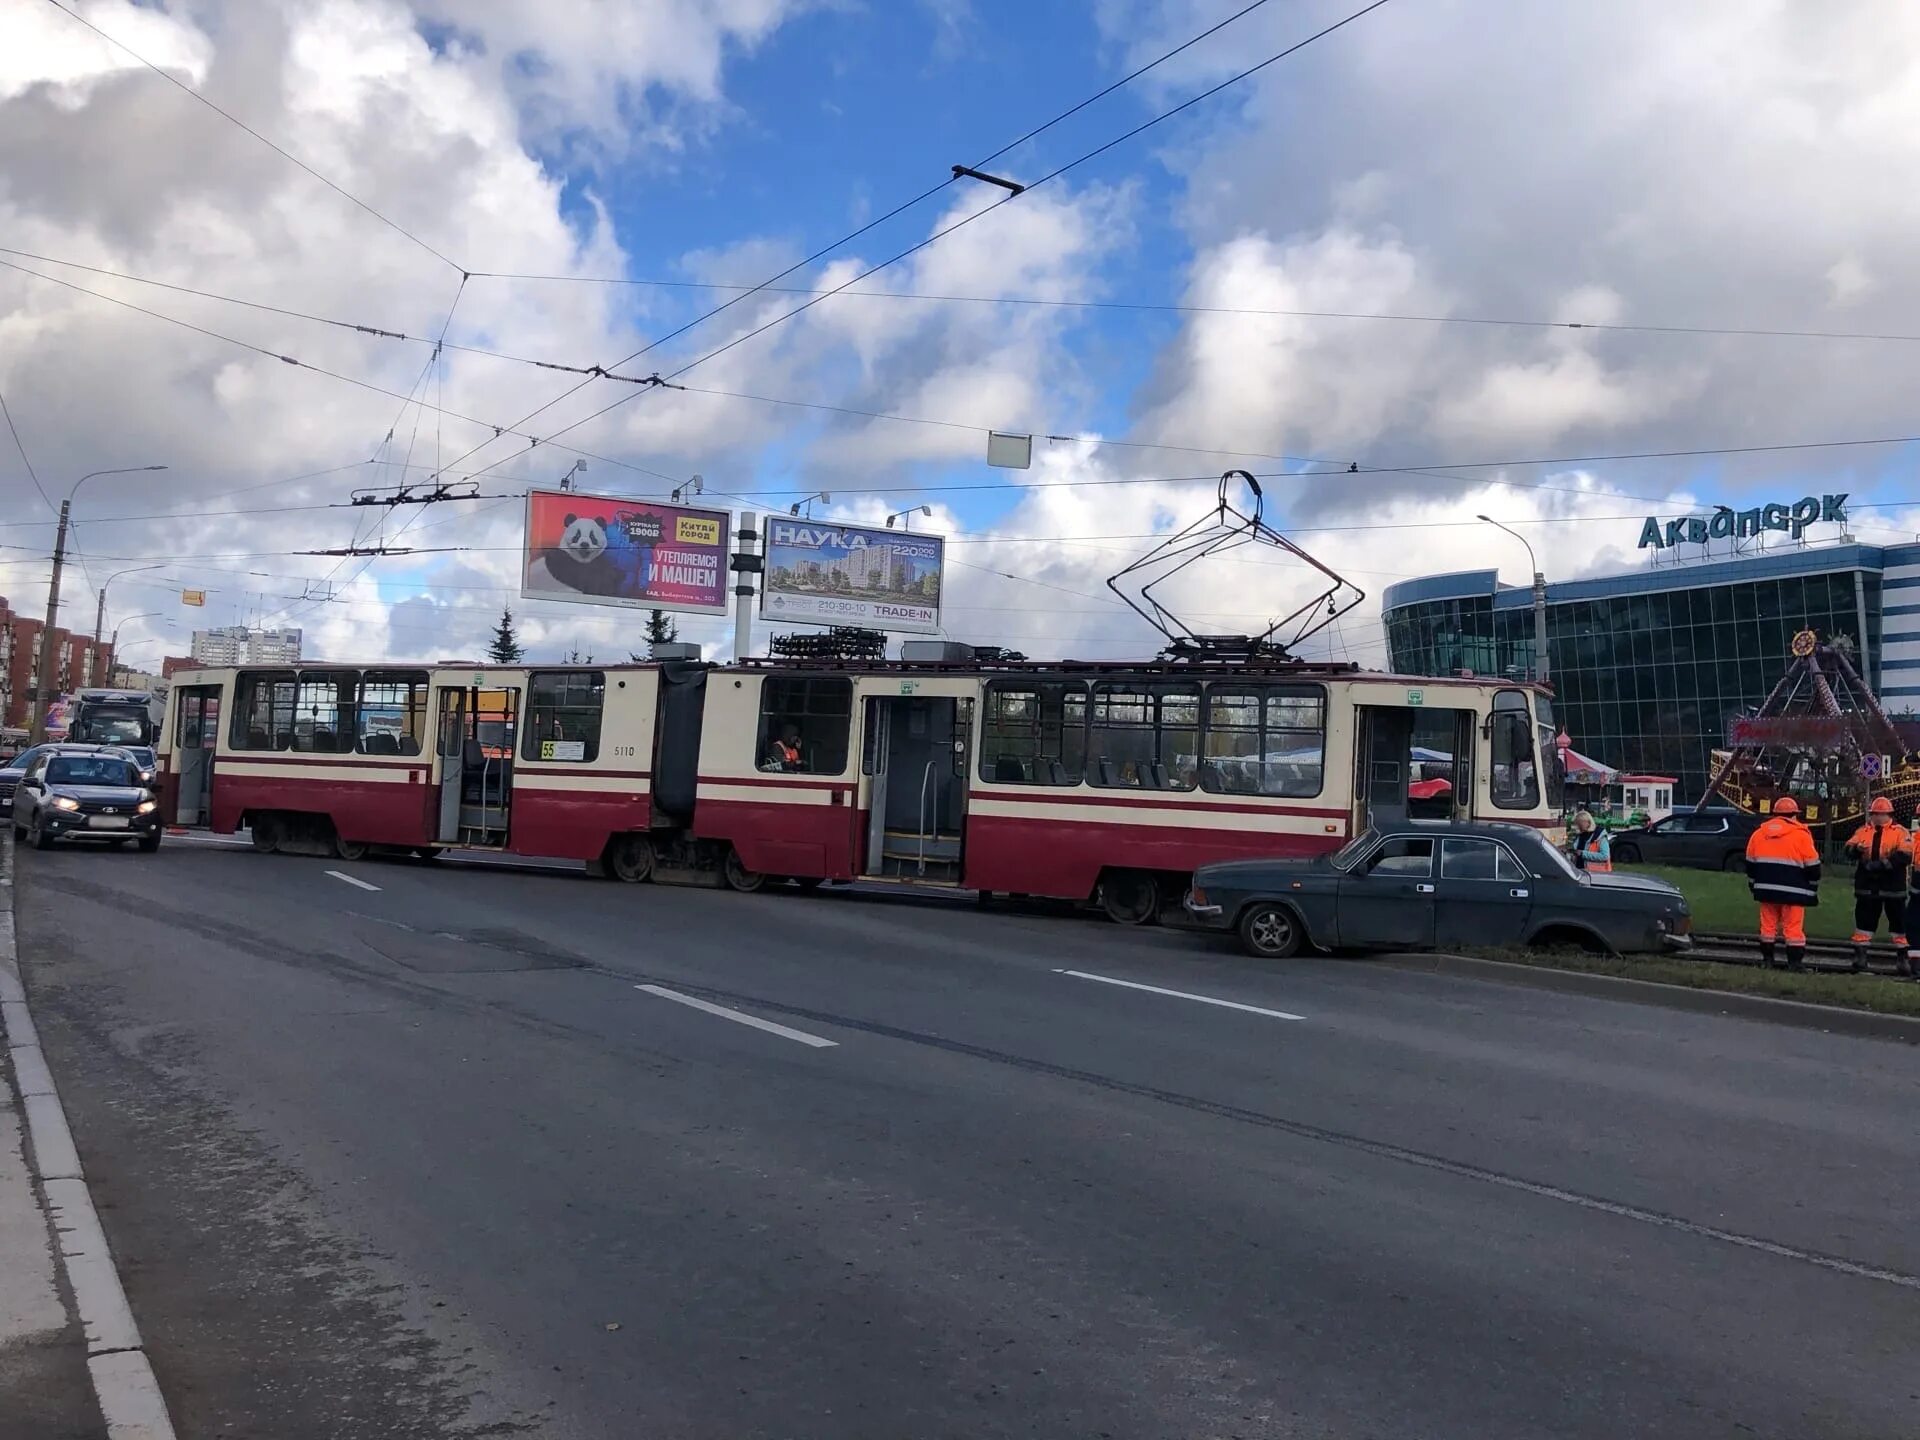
(1627, 854)
(739, 877)
(1734, 863)
(149, 844)
(1130, 897)
(41, 840)
(1270, 932)
(630, 858)
(19, 832)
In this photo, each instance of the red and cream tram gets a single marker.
(1079, 781)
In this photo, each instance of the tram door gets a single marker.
(474, 742)
(916, 751)
(196, 731)
(1412, 763)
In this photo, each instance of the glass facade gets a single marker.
(1645, 682)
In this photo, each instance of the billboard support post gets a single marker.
(745, 563)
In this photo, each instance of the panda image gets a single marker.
(596, 557)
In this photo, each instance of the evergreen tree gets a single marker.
(504, 648)
(662, 628)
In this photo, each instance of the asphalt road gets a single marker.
(426, 1160)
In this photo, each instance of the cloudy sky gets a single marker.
(1443, 184)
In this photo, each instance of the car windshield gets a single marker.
(109, 726)
(142, 755)
(89, 770)
(1353, 849)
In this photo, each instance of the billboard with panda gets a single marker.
(827, 574)
(639, 553)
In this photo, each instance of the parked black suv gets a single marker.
(1710, 839)
(85, 796)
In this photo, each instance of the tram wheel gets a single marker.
(265, 831)
(808, 883)
(1130, 897)
(345, 849)
(630, 858)
(739, 877)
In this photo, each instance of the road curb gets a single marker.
(1830, 1018)
(123, 1379)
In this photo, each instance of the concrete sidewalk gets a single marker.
(72, 1366)
(45, 1393)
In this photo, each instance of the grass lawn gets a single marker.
(1720, 902)
(1858, 992)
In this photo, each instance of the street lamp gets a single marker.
(1540, 667)
(38, 732)
(905, 517)
(143, 615)
(100, 609)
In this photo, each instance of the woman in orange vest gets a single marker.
(1882, 851)
(1783, 872)
(1592, 850)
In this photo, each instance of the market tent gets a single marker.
(1584, 771)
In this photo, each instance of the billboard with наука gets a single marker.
(637, 553)
(826, 574)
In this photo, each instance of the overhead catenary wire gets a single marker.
(233, 119)
(1276, 312)
(1008, 199)
(899, 209)
(410, 400)
(20, 446)
(355, 381)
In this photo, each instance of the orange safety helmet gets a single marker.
(1881, 806)
(1786, 805)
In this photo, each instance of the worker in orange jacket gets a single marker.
(1882, 852)
(1783, 872)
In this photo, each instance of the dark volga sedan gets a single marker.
(1427, 886)
(89, 796)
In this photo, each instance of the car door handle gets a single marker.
(1423, 889)
(1517, 894)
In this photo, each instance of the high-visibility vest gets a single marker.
(1783, 865)
(1881, 856)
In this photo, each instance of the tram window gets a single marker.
(1144, 737)
(563, 715)
(1516, 779)
(1265, 740)
(323, 719)
(1035, 734)
(804, 723)
(393, 708)
(263, 710)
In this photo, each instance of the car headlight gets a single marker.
(145, 807)
(64, 802)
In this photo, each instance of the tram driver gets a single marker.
(784, 754)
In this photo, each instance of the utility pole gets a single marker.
(746, 564)
(38, 729)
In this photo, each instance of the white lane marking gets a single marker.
(739, 1016)
(1182, 995)
(342, 875)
